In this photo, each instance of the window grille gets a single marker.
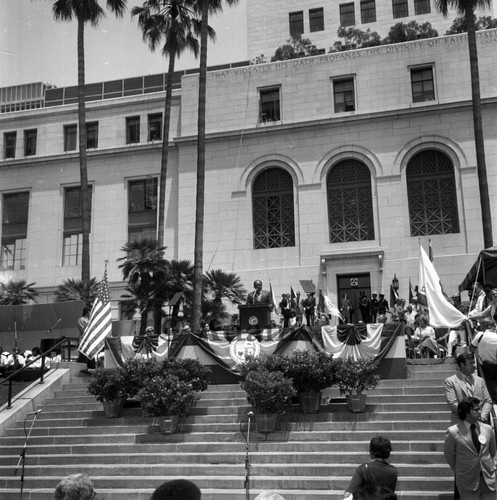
(350, 202)
(273, 209)
(431, 193)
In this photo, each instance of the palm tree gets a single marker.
(221, 285)
(146, 270)
(17, 292)
(72, 289)
(467, 9)
(174, 23)
(180, 280)
(205, 7)
(85, 11)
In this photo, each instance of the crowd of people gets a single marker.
(30, 358)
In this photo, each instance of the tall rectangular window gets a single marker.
(316, 19)
(155, 127)
(422, 7)
(400, 8)
(9, 144)
(70, 137)
(368, 11)
(296, 20)
(92, 135)
(269, 105)
(343, 95)
(142, 209)
(423, 87)
(30, 137)
(14, 231)
(132, 129)
(73, 226)
(347, 14)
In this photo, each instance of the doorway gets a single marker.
(353, 285)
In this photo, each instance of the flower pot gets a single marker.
(266, 422)
(356, 403)
(310, 401)
(112, 409)
(168, 424)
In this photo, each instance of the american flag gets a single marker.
(100, 323)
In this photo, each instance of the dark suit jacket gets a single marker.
(455, 392)
(466, 462)
(264, 299)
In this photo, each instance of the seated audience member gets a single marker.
(3, 361)
(75, 487)
(378, 472)
(177, 489)
(33, 362)
(427, 338)
(269, 495)
(15, 360)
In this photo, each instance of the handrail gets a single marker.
(10, 378)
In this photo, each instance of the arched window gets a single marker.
(431, 193)
(350, 203)
(273, 214)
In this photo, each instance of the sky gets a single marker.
(36, 48)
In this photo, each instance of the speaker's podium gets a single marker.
(254, 316)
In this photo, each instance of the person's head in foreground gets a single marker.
(380, 447)
(269, 495)
(177, 489)
(75, 487)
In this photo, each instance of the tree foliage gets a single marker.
(459, 25)
(355, 38)
(295, 47)
(17, 292)
(76, 289)
(406, 32)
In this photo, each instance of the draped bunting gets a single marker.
(225, 350)
(356, 342)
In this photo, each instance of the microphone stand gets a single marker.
(22, 457)
(247, 457)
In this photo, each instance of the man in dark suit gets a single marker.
(260, 296)
(470, 451)
(464, 384)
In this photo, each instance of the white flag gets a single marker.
(328, 306)
(442, 312)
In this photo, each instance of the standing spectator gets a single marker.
(364, 307)
(285, 310)
(464, 384)
(374, 307)
(347, 309)
(309, 308)
(378, 472)
(490, 310)
(177, 489)
(470, 451)
(383, 307)
(82, 324)
(75, 487)
(484, 343)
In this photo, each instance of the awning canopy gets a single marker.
(484, 270)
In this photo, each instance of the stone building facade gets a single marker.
(331, 168)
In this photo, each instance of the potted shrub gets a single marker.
(269, 393)
(354, 377)
(189, 370)
(106, 384)
(311, 372)
(136, 373)
(167, 396)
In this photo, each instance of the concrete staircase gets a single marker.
(309, 457)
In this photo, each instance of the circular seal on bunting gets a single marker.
(253, 320)
(482, 439)
(243, 346)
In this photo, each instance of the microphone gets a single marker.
(250, 414)
(54, 325)
(34, 412)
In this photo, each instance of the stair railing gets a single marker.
(10, 378)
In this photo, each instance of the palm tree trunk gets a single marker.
(85, 201)
(486, 215)
(165, 149)
(199, 213)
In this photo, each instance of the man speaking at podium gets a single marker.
(260, 296)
